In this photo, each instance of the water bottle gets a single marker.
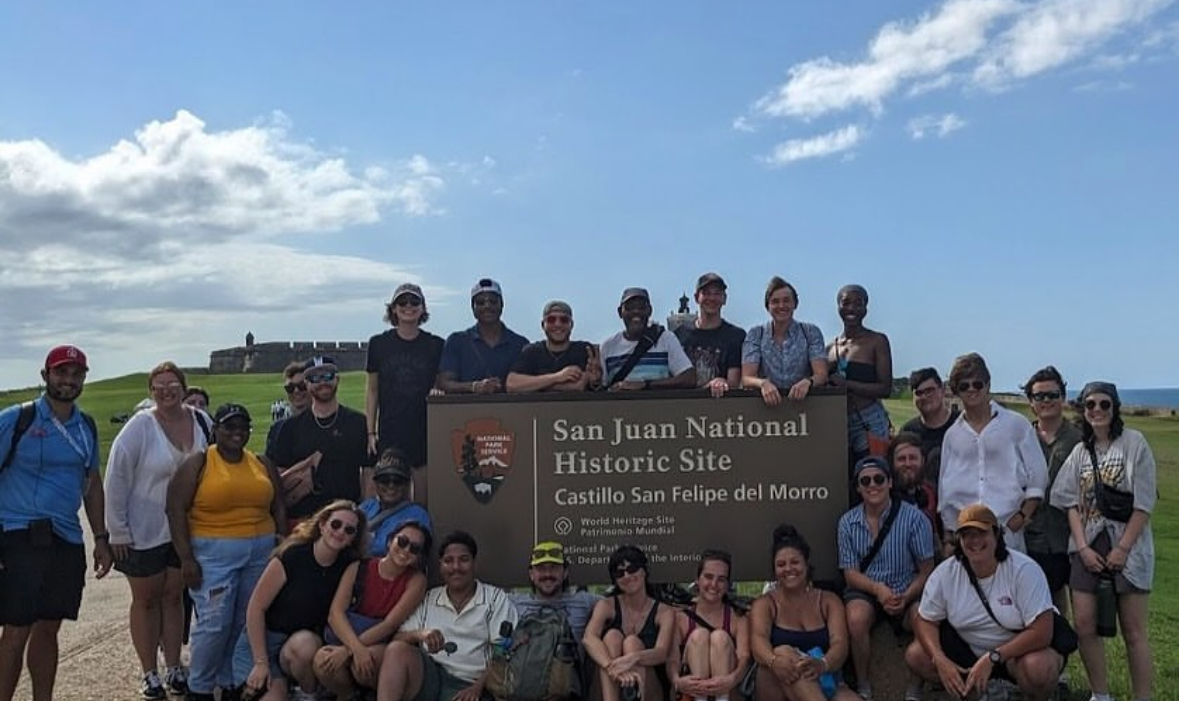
(1107, 607)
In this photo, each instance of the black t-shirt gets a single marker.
(537, 359)
(712, 351)
(406, 370)
(304, 601)
(931, 442)
(343, 440)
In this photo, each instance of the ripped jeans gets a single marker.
(230, 567)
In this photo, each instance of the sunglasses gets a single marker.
(627, 569)
(557, 319)
(538, 553)
(336, 524)
(387, 481)
(877, 479)
(406, 543)
(1104, 404)
(1046, 396)
(408, 302)
(975, 385)
(292, 387)
(926, 391)
(321, 377)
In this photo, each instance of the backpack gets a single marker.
(28, 412)
(537, 662)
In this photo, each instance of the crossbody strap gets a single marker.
(983, 597)
(650, 335)
(880, 536)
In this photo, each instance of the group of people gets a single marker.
(306, 565)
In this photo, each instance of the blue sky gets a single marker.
(999, 174)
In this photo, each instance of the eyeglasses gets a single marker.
(1092, 404)
(558, 553)
(1046, 396)
(173, 386)
(336, 524)
(408, 302)
(388, 481)
(627, 569)
(292, 387)
(406, 543)
(557, 319)
(925, 391)
(876, 479)
(966, 385)
(321, 377)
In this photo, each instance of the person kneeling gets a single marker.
(986, 613)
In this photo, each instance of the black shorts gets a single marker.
(897, 623)
(1056, 568)
(960, 653)
(40, 583)
(149, 562)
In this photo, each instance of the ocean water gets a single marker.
(1166, 397)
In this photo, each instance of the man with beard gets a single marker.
(663, 365)
(548, 570)
(711, 343)
(477, 360)
(322, 453)
(48, 471)
(934, 417)
(909, 483)
(556, 363)
(297, 397)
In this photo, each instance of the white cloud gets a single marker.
(942, 125)
(1054, 32)
(1102, 86)
(184, 226)
(1113, 62)
(820, 146)
(742, 124)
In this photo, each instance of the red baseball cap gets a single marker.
(64, 355)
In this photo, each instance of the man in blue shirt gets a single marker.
(477, 360)
(53, 471)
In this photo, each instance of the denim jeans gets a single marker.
(230, 567)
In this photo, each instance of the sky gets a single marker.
(1000, 175)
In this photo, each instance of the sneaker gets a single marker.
(296, 693)
(176, 681)
(151, 688)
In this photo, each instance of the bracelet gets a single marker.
(262, 661)
(103, 536)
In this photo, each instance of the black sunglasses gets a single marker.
(975, 385)
(1046, 396)
(877, 479)
(406, 543)
(321, 377)
(624, 570)
(1092, 404)
(388, 480)
(291, 387)
(336, 524)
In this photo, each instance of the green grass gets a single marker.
(107, 398)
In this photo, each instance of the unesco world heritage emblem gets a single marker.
(483, 451)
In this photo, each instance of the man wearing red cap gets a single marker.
(48, 470)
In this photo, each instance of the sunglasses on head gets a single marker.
(406, 543)
(557, 319)
(336, 524)
(1046, 396)
(321, 377)
(975, 385)
(292, 387)
(624, 570)
(876, 479)
(1104, 404)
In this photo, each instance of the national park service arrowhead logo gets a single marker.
(483, 451)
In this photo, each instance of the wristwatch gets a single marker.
(994, 656)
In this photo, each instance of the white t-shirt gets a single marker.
(141, 463)
(664, 359)
(472, 631)
(1017, 591)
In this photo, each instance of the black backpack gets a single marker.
(28, 412)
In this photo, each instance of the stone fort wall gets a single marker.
(273, 357)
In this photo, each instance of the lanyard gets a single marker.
(83, 452)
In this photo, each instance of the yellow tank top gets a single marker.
(233, 499)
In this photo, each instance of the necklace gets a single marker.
(328, 423)
(556, 356)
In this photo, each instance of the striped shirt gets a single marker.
(907, 545)
(664, 359)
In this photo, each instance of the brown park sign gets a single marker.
(671, 472)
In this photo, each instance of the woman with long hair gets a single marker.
(225, 508)
(289, 607)
(783, 355)
(711, 652)
(144, 457)
(1104, 543)
(629, 634)
(798, 633)
(375, 596)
